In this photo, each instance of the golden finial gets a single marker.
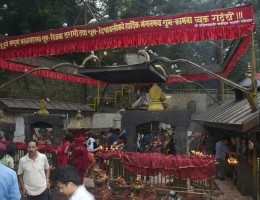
(79, 115)
(155, 94)
(42, 106)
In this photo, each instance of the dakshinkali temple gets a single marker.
(148, 175)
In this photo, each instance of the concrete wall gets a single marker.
(202, 100)
(106, 120)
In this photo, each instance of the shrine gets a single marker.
(49, 125)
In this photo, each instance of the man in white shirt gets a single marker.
(68, 183)
(34, 172)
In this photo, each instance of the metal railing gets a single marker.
(113, 98)
(114, 168)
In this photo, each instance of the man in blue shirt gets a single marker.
(221, 151)
(112, 138)
(9, 189)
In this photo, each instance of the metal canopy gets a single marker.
(231, 115)
(125, 74)
(52, 106)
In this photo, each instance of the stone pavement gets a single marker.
(228, 191)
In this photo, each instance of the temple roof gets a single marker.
(232, 115)
(10, 104)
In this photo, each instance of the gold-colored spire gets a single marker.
(155, 94)
(42, 106)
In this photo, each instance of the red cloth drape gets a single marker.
(20, 145)
(79, 157)
(237, 54)
(48, 74)
(78, 133)
(50, 148)
(151, 164)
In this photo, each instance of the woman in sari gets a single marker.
(79, 157)
(64, 149)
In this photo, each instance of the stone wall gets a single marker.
(35, 87)
(106, 120)
(200, 101)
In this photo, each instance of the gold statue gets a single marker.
(120, 183)
(100, 179)
(137, 187)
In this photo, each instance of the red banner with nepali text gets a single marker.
(214, 25)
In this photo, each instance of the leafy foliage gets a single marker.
(30, 16)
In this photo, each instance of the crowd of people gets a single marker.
(34, 172)
(74, 158)
(222, 148)
(76, 155)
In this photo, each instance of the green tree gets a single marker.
(30, 16)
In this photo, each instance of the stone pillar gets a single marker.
(131, 139)
(181, 140)
(56, 131)
(28, 132)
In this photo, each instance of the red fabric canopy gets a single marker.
(152, 164)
